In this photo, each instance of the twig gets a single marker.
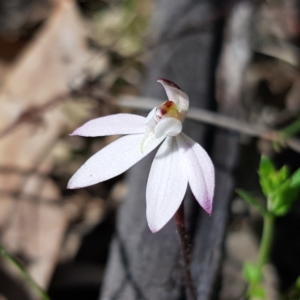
(146, 103)
(32, 114)
(216, 119)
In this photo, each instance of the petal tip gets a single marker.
(169, 83)
(74, 133)
(153, 225)
(208, 209)
(207, 205)
(153, 230)
(70, 186)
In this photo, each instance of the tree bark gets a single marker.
(185, 39)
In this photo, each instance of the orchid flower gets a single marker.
(178, 162)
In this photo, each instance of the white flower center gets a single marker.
(161, 122)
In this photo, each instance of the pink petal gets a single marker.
(176, 95)
(112, 160)
(166, 185)
(200, 171)
(114, 124)
(168, 127)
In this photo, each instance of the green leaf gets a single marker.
(278, 178)
(280, 189)
(266, 169)
(272, 181)
(252, 201)
(291, 129)
(284, 196)
(297, 283)
(296, 179)
(282, 174)
(24, 272)
(266, 166)
(252, 273)
(257, 292)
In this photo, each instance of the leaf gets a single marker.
(257, 292)
(24, 272)
(252, 201)
(291, 129)
(297, 283)
(284, 196)
(266, 169)
(266, 166)
(280, 189)
(282, 174)
(271, 180)
(277, 179)
(296, 179)
(251, 273)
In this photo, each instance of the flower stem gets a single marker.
(264, 253)
(185, 248)
(266, 240)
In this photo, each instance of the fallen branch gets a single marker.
(216, 119)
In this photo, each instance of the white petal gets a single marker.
(176, 95)
(150, 120)
(200, 170)
(114, 124)
(111, 161)
(168, 126)
(147, 139)
(166, 185)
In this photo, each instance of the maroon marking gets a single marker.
(169, 103)
(170, 83)
(163, 110)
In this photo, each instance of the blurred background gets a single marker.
(63, 62)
